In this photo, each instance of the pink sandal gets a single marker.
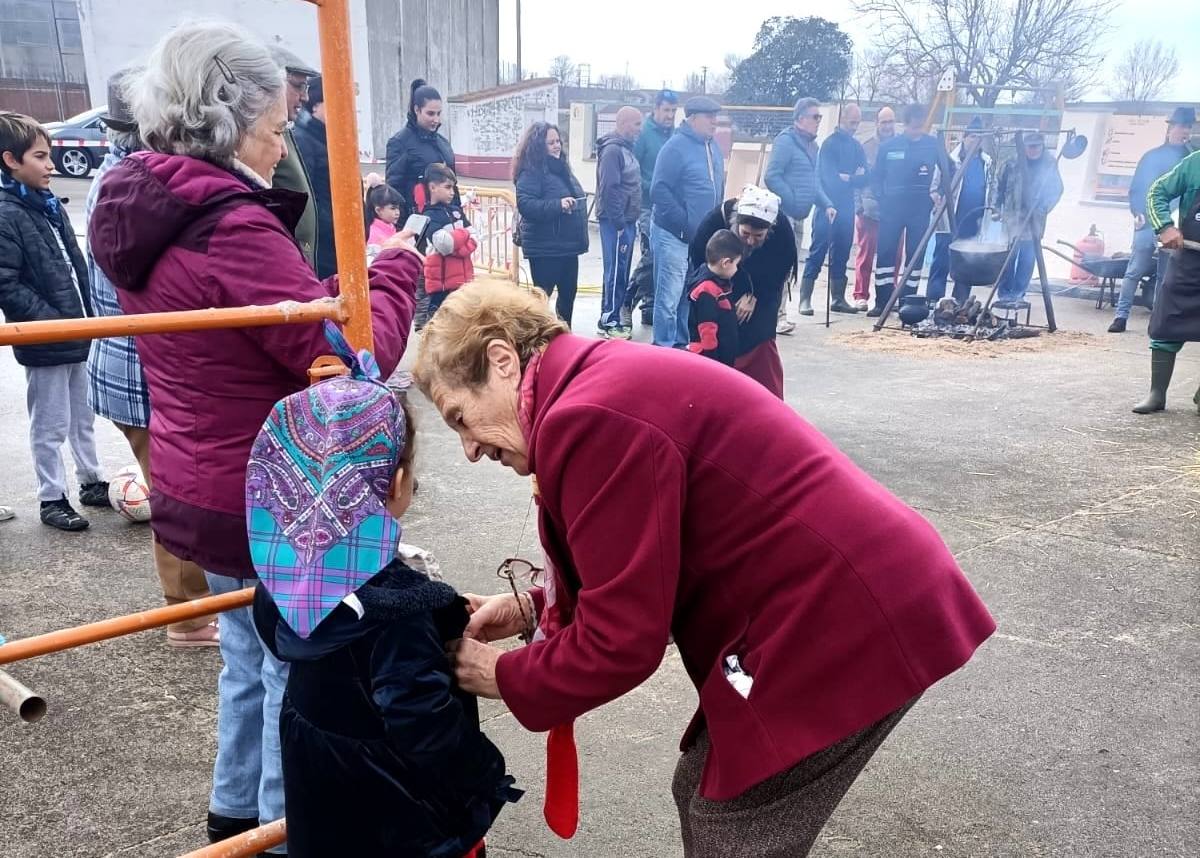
(204, 636)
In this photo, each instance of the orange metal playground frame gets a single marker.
(351, 307)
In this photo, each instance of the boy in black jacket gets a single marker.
(382, 754)
(43, 276)
(712, 321)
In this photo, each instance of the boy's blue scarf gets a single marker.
(43, 201)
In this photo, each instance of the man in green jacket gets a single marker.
(656, 130)
(291, 174)
(1175, 319)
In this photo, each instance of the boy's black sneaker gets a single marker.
(223, 827)
(94, 494)
(60, 514)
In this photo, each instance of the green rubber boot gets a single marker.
(839, 304)
(1162, 366)
(804, 302)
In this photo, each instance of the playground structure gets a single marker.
(351, 308)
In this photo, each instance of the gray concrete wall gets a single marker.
(452, 44)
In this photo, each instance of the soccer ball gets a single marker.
(128, 495)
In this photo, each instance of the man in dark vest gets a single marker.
(291, 173)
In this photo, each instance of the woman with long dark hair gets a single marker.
(417, 145)
(551, 202)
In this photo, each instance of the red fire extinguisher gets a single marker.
(1091, 245)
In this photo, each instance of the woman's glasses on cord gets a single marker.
(510, 570)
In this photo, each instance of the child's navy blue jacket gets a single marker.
(382, 754)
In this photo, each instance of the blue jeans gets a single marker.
(834, 239)
(616, 241)
(1143, 261)
(248, 774)
(1014, 282)
(670, 302)
(939, 270)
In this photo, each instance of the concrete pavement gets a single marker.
(1072, 733)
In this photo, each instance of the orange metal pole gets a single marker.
(345, 181)
(126, 625)
(249, 843)
(283, 313)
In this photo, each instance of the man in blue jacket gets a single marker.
(689, 182)
(842, 168)
(1145, 257)
(792, 176)
(903, 181)
(618, 207)
(656, 131)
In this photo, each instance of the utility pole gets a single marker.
(520, 71)
(704, 79)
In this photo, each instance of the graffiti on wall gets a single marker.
(497, 124)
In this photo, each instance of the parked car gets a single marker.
(78, 145)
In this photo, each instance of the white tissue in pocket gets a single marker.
(741, 681)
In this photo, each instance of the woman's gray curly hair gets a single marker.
(204, 86)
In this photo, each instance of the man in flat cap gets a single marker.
(1145, 258)
(291, 173)
(689, 182)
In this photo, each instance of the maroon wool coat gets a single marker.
(178, 233)
(695, 503)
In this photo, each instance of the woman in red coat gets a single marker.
(695, 504)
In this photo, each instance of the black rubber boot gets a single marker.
(839, 304)
(223, 827)
(883, 294)
(804, 301)
(1196, 399)
(1162, 365)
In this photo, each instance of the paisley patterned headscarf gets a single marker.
(319, 477)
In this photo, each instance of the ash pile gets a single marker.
(951, 319)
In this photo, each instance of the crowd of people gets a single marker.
(347, 699)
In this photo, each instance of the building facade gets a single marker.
(452, 44)
(41, 59)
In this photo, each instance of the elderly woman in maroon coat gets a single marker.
(696, 505)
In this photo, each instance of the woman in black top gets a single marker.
(551, 202)
(417, 145)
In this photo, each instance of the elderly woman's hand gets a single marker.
(496, 618)
(405, 239)
(474, 666)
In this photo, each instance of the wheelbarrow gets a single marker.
(1107, 269)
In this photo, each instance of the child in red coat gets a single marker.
(451, 242)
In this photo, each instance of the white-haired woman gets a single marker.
(194, 223)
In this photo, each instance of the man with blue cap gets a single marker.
(657, 129)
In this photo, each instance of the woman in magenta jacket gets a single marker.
(194, 223)
(695, 504)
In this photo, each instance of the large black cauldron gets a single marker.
(975, 262)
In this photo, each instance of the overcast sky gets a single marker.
(663, 41)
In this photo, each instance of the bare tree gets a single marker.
(1144, 71)
(881, 76)
(562, 68)
(693, 82)
(993, 44)
(616, 81)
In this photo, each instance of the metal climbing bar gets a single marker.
(128, 624)
(246, 845)
(283, 313)
(345, 179)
